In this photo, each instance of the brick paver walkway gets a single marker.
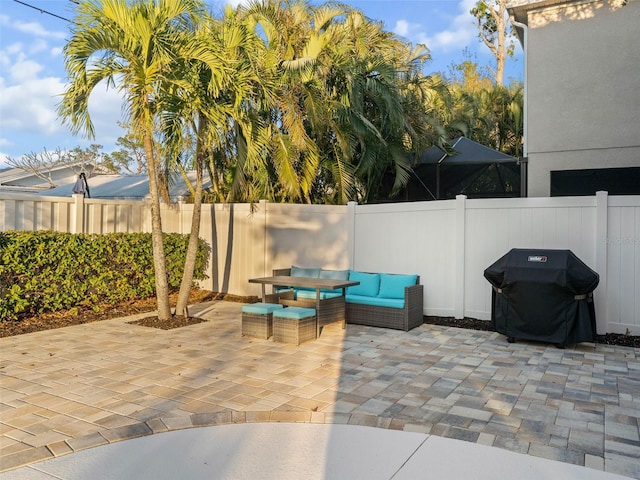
(79, 387)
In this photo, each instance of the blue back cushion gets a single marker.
(335, 274)
(392, 286)
(369, 283)
(304, 272)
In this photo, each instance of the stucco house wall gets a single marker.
(583, 86)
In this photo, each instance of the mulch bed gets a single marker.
(173, 322)
(474, 324)
(79, 316)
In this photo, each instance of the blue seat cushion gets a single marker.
(280, 289)
(375, 301)
(392, 286)
(335, 274)
(311, 294)
(261, 308)
(295, 312)
(369, 284)
(305, 272)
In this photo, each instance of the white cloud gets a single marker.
(38, 46)
(29, 100)
(105, 108)
(401, 28)
(31, 28)
(459, 30)
(30, 105)
(22, 70)
(32, 81)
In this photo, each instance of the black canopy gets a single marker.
(471, 169)
(543, 295)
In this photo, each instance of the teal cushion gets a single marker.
(335, 274)
(295, 312)
(375, 301)
(311, 295)
(261, 308)
(392, 286)
(305, 272)
(306, 293)
(369, 283)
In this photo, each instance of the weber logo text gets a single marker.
(537, 258)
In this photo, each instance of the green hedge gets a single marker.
(47, 271)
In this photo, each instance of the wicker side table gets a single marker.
(257, 319)
(294, 325)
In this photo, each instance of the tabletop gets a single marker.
(283, 280)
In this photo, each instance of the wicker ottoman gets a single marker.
(294, 325)
(257, 319)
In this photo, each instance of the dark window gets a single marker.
(616, 181)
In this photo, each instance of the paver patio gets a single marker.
(79, 387)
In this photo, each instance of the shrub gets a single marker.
(47, 271)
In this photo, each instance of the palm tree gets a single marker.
(132, 45)
(290, 160)
(212, 116)
(340, 121)
(376, 75)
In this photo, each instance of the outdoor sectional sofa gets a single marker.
(380, 300)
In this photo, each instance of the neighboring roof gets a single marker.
(129, 187)
(19, 189)
(20, 177)
(12, 177)
(467, 152)
(431, 155)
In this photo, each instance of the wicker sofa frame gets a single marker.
(336, 309)
(405, 318)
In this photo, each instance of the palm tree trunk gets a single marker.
(159, 258)
(192, 249)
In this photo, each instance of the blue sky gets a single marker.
(32, 75)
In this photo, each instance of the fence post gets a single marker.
(77, 215)
(460, 259)
(351, 233)
(264, 206)
(8, 222)
(602, 241)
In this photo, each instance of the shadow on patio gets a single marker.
(79, 387)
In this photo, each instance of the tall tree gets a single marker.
(339, 121)
(130, 154)
(378, 81)
(290, 47)
(495, 32)
(208, 106)
(132, 44)
(477, 108)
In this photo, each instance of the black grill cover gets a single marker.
(544, 295)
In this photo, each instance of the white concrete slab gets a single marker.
(285, 451)
(244, 451)
(444, 458)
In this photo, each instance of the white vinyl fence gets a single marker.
(448, 243)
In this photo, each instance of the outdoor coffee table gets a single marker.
(328, 310)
